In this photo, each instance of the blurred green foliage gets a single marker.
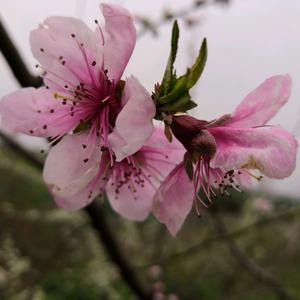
(49, 254)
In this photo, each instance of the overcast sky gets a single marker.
(248, 41)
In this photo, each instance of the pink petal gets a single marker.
(66, 170)
(86, 195)
(120, 38)
(271, 149)
(152, 164)
(174, 199)
(129, 204)
(263, 103)
(29, 110)
(67, 60)
(134, 123)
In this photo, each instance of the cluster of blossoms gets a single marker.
(105, 141)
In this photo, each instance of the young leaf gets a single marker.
(169, 75)
(198, 67)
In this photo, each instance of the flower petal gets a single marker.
(66, 49)
(131, 195)
(174, 199)
(69, 167)
(130, 204)
(119, 39)
(86, 195)
(134, 123)
(263, 103)
(270, 149)
(29, 111)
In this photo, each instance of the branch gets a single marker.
(204, 244)
(15, 62)
(168, 16)
(99, 224)
(97, 218)
(249, 265)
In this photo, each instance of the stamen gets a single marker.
(258, 178)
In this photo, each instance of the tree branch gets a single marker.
(94, 212)
(208, 242)
(149, 25)
(15, 62)
(249, 265)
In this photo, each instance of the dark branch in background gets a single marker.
(149, 25)
(208, 242)
(15, 62)
(98, 222)
(94, 211)
(257, 272)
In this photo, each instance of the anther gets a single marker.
(93, 63)
(73, 35)
(85, 160)
(42, 50)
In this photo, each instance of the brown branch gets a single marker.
(15, 61)
(99, 224)
(246, 263)
(149, 25)
(97, 218)
(208, 242)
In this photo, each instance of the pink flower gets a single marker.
(83, 88)
(129, 184)
(103, 125)
(225, 150)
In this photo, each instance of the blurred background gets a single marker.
(46, 253)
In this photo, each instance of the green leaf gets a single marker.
(178, 89)
(188, 165)
(169, 75)
(182, 104)
(196, 70)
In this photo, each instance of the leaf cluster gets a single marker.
(173, 94)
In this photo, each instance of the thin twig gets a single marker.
(208, 242)
(249, 265)
(149, 25)
(97, 218)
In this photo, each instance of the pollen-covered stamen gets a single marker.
(209, 181)
(134, 175)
